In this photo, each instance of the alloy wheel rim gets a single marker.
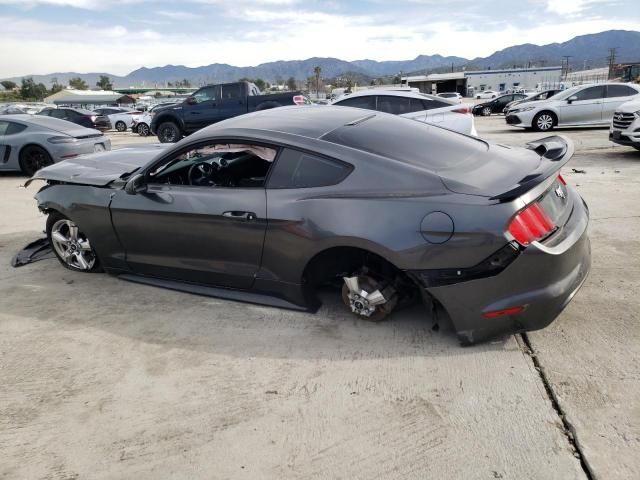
(36, 160)
(121, 127)
(143, 129)
(167, 134)
(545, 122)
(72, 246)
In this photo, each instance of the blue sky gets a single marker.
(117, 36)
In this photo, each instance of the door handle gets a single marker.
(239, 215)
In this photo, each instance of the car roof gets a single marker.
(311, 121)
(44, 122)
(392, 93)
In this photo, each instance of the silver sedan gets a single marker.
(28, 143)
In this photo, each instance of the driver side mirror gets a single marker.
(191, 101)
(136, 184)
(572, 99)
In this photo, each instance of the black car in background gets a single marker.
(86, 118)
(497, 104)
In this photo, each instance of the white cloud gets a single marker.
(573, 7)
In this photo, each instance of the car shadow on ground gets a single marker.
(49, 293)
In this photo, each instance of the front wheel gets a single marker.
(486, 111)
(168, 132)
(72, 247)
(121, 126)
(143, 130)
(33, 158)
(544, 121)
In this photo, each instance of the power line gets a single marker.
(612, 61)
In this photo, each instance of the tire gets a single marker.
(71, 247)
(121, 126)
(544, 121)
(267, 106)
(143, 129)
(486, 111)
(33, 158)
(168, 132)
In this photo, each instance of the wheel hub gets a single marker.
(363, 297)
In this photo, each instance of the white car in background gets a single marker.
(121, 118)
(438, 111)
(625, 126)
(487, 94)
(142, 124)
(451, 96)
(585, 105)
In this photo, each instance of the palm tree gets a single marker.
(317, 71)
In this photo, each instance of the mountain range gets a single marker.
(589, 50)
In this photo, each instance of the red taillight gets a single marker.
(462, 110)
(504, 312)
(531, 224)
(562, 180)
(298, 99)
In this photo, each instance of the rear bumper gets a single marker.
(543, 278)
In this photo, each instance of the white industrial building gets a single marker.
(470, 82)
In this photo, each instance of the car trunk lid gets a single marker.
(504, 173)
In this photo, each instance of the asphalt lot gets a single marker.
(106, 379)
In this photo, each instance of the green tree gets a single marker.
(78, 84)
(8, 84)
(104, 83)
(260, 83)
(29, 90)
(55, 86)
(186, 83)
(291, 83)
(317, 71)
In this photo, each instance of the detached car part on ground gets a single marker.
(269, 206)
(31, 142)
(625, 126)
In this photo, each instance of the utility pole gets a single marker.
(612, 61)
(565, 66)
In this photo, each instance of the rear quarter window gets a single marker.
(620, 91)
(295, 169)
(14, 128)
(365, 101)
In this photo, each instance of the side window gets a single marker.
(296, 169)
(58, 113)
(431, 104)
(591, 93)
(231, 93)
(3, 127)
(215, 165)
(398, 105)
(620, 91)
(365, 101)
(13, 128)
(206, 94)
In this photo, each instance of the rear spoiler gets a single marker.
(554, 151)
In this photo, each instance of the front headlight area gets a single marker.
(522, 109)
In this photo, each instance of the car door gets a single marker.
(616, 95)
(233, 100)
(499, 103)
(4, 148)
(202, 234)
(585, 109)
(205, 109)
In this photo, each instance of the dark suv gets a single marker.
(86, 118)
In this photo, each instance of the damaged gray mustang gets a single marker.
(268, 207)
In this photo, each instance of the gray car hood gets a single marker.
(102, 168)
